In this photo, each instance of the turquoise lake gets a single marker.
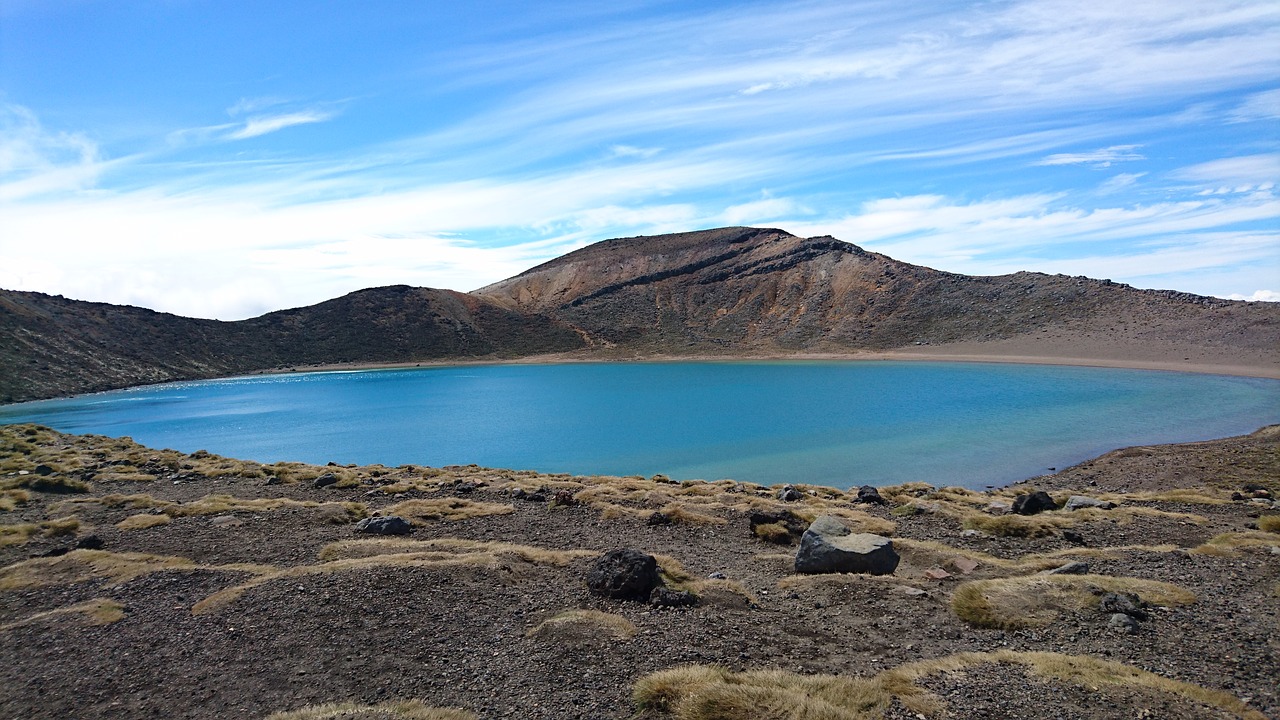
(832, 423)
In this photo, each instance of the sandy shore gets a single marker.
(1085, 355)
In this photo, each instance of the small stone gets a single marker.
(1071, 568)
(666, 597)
(717, 576)
(89, 542)
(386, 525)
(789, 493)
(936, 573)
(1080, 502)
(1033, 504)
(1073, 537)
(914, 591)
(325, 480)
(625, 574)
(226, 521)
(1123, 623)
(996, 508)
(1125, 603)
(44, 470)
(869, 494)
(965, 565)
(658, 518)
(563, 498)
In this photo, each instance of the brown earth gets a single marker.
(227, 607)
(732, 292)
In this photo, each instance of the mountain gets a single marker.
(749, 290)
(52, 346)
(729, 291)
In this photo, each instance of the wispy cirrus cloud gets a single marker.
(1101, 158)
(264, 124)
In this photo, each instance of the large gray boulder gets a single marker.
(828, 546)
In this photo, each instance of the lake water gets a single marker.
(831, 423)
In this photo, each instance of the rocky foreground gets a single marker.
(141, 583)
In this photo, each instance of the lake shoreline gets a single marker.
(904, 354)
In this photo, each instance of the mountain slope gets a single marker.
(761, 290)
(730, 291)
(53, 346)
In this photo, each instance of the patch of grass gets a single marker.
(23, 532)
(85, 565)
(773, 532)
(114, 501)
(46, 484)
(398, 710)
(1230, 543)
(857, 520)
(371, 553)
(98, 611)
(585, 624)
(681, 514)
(142, 521)
(1189, 496)
(713, 693)
(1269, 523)
(419, 512)
(1037, 600)
(372, 547)
(1025, 526)
(11, 499)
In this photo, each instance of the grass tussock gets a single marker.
(1229, 544)
(373, 547)
(773, 532)
(586, 624)
(142, 521)
(1038, 600)
(1269, 523)
(420, 512)
(53, 484)
(98, 611)
(712, 693)
(1021, 526)
(11, 499)
(24, 532)
(113, 568)
(398, 710)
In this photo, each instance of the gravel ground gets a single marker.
(459, 635)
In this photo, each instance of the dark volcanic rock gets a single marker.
(828, 546)
(869, 494)
(388, 525)
(666, 597)
(1035, 503)
(624, 574)
(326, 480)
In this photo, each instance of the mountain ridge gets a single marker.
(734, 291)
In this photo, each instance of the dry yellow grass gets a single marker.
(399, 710)
(98, 611)
(372, 553)
(419, 512)
(711, 693)
(11, 499)
(372, 547)
(591, 624)
(23, 532)
(1269, 523)
(84, 565)
(142, 521)
(1230, 543)
(1037, 600)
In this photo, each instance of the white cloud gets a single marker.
(1258, 106)
(261, 125)
(1250, 170)
(1119, 182)
(1097, 158)
(1258, 296)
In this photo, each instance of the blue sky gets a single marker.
(223, 159)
